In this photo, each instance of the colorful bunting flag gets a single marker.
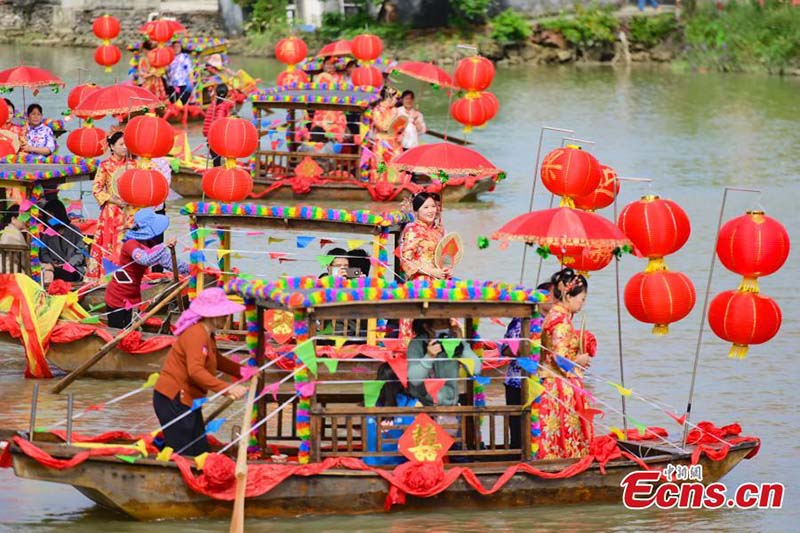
(75, 205)
(483, 380)
(331, 362)
(95, 407)
(495, 320)
(565, 364)
(200, 460)
(247, 372)
(681, 420)
(305, 388)
(468, 363)
(641, 428)
(450, 346)
(433, 386)
(198, 403)
(272, 388)
(324, 242)
(306, 353)
(24, 205)
(91, 320)
(109, 266)
(303, 240)
(352, 244)
(254, 233)
(215, 425)
(53, 222)
(274, 240)
(617, 433)
(513, 345)
(528, 365)
(96, 307)
(277, 255)
(127, 458)
(50, 232)
(88, 241)
(165, 454)
(325, 260)
(372, 390)
(622, 390)
(151, 381)
(535, 389)
(400, 367)
(68, 268)
(339, 341)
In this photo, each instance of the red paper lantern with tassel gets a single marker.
(87, 142)
(744, 318)
(474, 73)
(470, 112)
(160, 31)
(753, 245)
(106, 27)
(289, 77)
(227, 184)
(107, 55)
(143, 187)
(659, 298)
(604, 194)
(79, 92)
(657, 227)
(291, 50)
(149, 136)
(367, 76)
(491, 103)
(161, 56)
(582, 259)
(233, 137)
(4, 112)
(366, 47)
(570, 172)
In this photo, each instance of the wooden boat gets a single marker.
(148, 489)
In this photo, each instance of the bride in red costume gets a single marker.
(566, 427)
(420, 239)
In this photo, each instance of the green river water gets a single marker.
(693, 134)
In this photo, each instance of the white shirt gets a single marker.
(410, 138)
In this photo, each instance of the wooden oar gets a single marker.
(237, 519)
(175, 275)
(448, 137)
(72, 376)
(219, 410)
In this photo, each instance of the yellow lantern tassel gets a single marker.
(656, 264)
(738, 351)
(660, 329)
(749, 285)
(230, 162)
(566, 201)
(107, 69)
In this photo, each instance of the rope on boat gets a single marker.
(260, 422)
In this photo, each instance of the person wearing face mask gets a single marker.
(420, 239)
(566, 429)
(427, 358)
(190, 371)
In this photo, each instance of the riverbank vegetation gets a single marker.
(740, 35)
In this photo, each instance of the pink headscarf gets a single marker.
(187, 319)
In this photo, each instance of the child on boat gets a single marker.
(139, 252)
(190, 371)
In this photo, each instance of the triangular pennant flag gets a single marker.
(331, 362)
(617, 433)
(50, 232)
(641, 428)
(66, 186)
(95, 307)
(274, 240)
(221, 253)
(397, 252)
(352, 244)
(327, 330)
(565, 364)
(53, 222)
(372, 390)
(141, 447)
(286, 260)
(151, 381)
(200, 460)
(88, 241)
(513, 345)
(483, 380)
(528, 365)
(24, 205)
(495, 320)
(165, 454)
(277, 255)
(129, 305)
(305, 388)
(214, 425)
(272, 388)
(198, 403)
(339, 341)
(68, 268)
(433, 386)
(324, 242)
(303, 240)
(127, 458)
(247, 372)
(535, 389)
(75, 205)
(681, 420)
(109, 266)
(325, 260)
(306, 353)
(254, 233)
(91, 320)
(237, 256)
(24, 217)
(622, 390)
(468, 363)
(400, 368)
(235, 358)
(450, 346)
(95, 407)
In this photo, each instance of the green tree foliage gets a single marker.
(509, 28)
(650, 31)
(590, 26)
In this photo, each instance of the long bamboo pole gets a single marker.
(237, 519)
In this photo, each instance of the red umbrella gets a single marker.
(115, 100)
(449, 158)
(562, 227)
(30, 77)
(336, 48)
(426, 72)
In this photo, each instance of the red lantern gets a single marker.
(4, 111)
(227, 184)
(470, 112)
(474, 73)
(289, 77)
(107, 56)
(143, 187)
(291, 50)
(149, 136)
(366, 47)
(233, 137)
(491, 103)
(570, 172)
(87, 142)
(79, 92)
(744, 318)
(368, 76)
(657, 227)
(161, 57)
(106, 27)
(659, 298)
(753, 245)
(582, 259)
(604, 194)
(160, 30)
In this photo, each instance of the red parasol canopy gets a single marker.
(446, 157)
(426, 72)
(115, 100)
(30, 77)
(564, 226)
(176, 26)
(336, 48)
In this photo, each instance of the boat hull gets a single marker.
(149, 490)
(188, 184)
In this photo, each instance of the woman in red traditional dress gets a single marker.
(151, 78)
(388, 127)
(420, 239)
(566, 427)
(115, 216)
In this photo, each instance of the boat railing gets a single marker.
(15, 259)
(274, 165)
